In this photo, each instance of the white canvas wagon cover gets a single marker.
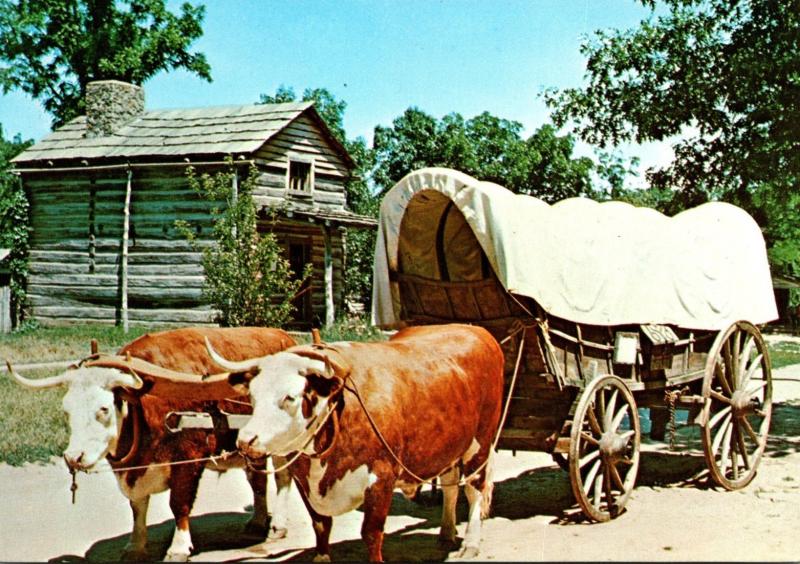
(605, 263)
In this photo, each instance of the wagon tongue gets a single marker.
(162, 382)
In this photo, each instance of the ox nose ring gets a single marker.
(73, 463)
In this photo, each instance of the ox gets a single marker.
(111, 417)
(433, 393)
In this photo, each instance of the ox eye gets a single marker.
(103, 414)
(288, 401)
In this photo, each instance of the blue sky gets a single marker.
(465, 56)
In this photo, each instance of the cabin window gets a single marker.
(301, 176)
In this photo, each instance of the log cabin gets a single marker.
(106, 188)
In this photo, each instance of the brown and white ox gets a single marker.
(106, 405)
(435, 395)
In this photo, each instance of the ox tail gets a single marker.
(488, 485)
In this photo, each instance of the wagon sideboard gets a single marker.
(557, 356)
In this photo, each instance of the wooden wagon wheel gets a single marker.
(737, 394)
(604, 448)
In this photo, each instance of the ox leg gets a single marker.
(449, 485)
(322, 530)
(136, 549)
(280, 515)
(472, 536)
(377, 501)
(184, 481)
(257, 524)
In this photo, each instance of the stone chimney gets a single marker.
(111, 104)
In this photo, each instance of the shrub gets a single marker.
(248, 278)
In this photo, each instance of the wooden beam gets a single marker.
(126, 226)
(330, 313)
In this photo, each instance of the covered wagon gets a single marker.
(601, 308)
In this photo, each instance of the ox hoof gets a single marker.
(131, 554)
(176, 557)
(466, 553)
(256, 528)
(322, 558)
(448, 536)
(276, 533)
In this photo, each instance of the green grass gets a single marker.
(784, 353)
(33, 427)
(64, 343)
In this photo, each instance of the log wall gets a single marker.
(77, 223)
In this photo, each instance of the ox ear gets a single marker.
(240, 381)
(126, 381)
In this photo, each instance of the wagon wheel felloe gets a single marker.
(737, 405)
(604, 448)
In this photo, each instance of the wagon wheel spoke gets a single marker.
(735, 350)
(747, 350)
(737, 405)
(742, 447)
(751, 433)
(719, 371)
(598, 491)
(588, 458)
(609, 411)
(589, 438)
(589, 483)
(722, 413)
(591, 417)
(623, 411)
(610, 505)
(727, 357)
(719, 397)
(756, 364)
(724, 456)
(617, 479)
(721, 433)
(626, 461)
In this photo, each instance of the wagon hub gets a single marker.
(613, 445)
(743, 403)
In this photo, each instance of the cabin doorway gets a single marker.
(299, 257)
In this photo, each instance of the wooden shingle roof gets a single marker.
(223, 130)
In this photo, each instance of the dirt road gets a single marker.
(667, 518)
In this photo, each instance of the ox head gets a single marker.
(290, 392)
(94, 399)
(89, 402)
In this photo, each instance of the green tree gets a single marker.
(51, 49)
(248, 278)
(14, 222)
(486, 147)
(720, 76)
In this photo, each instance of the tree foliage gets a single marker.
(51, 49)
(486, 147)
(248, 278)
(720, 80)
(14, 222)
(722, 75)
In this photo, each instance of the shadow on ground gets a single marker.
(536, 492)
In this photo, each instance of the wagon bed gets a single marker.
(576, 380)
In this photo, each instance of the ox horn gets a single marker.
(169, 383)
(229, 365)
(37, 383)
